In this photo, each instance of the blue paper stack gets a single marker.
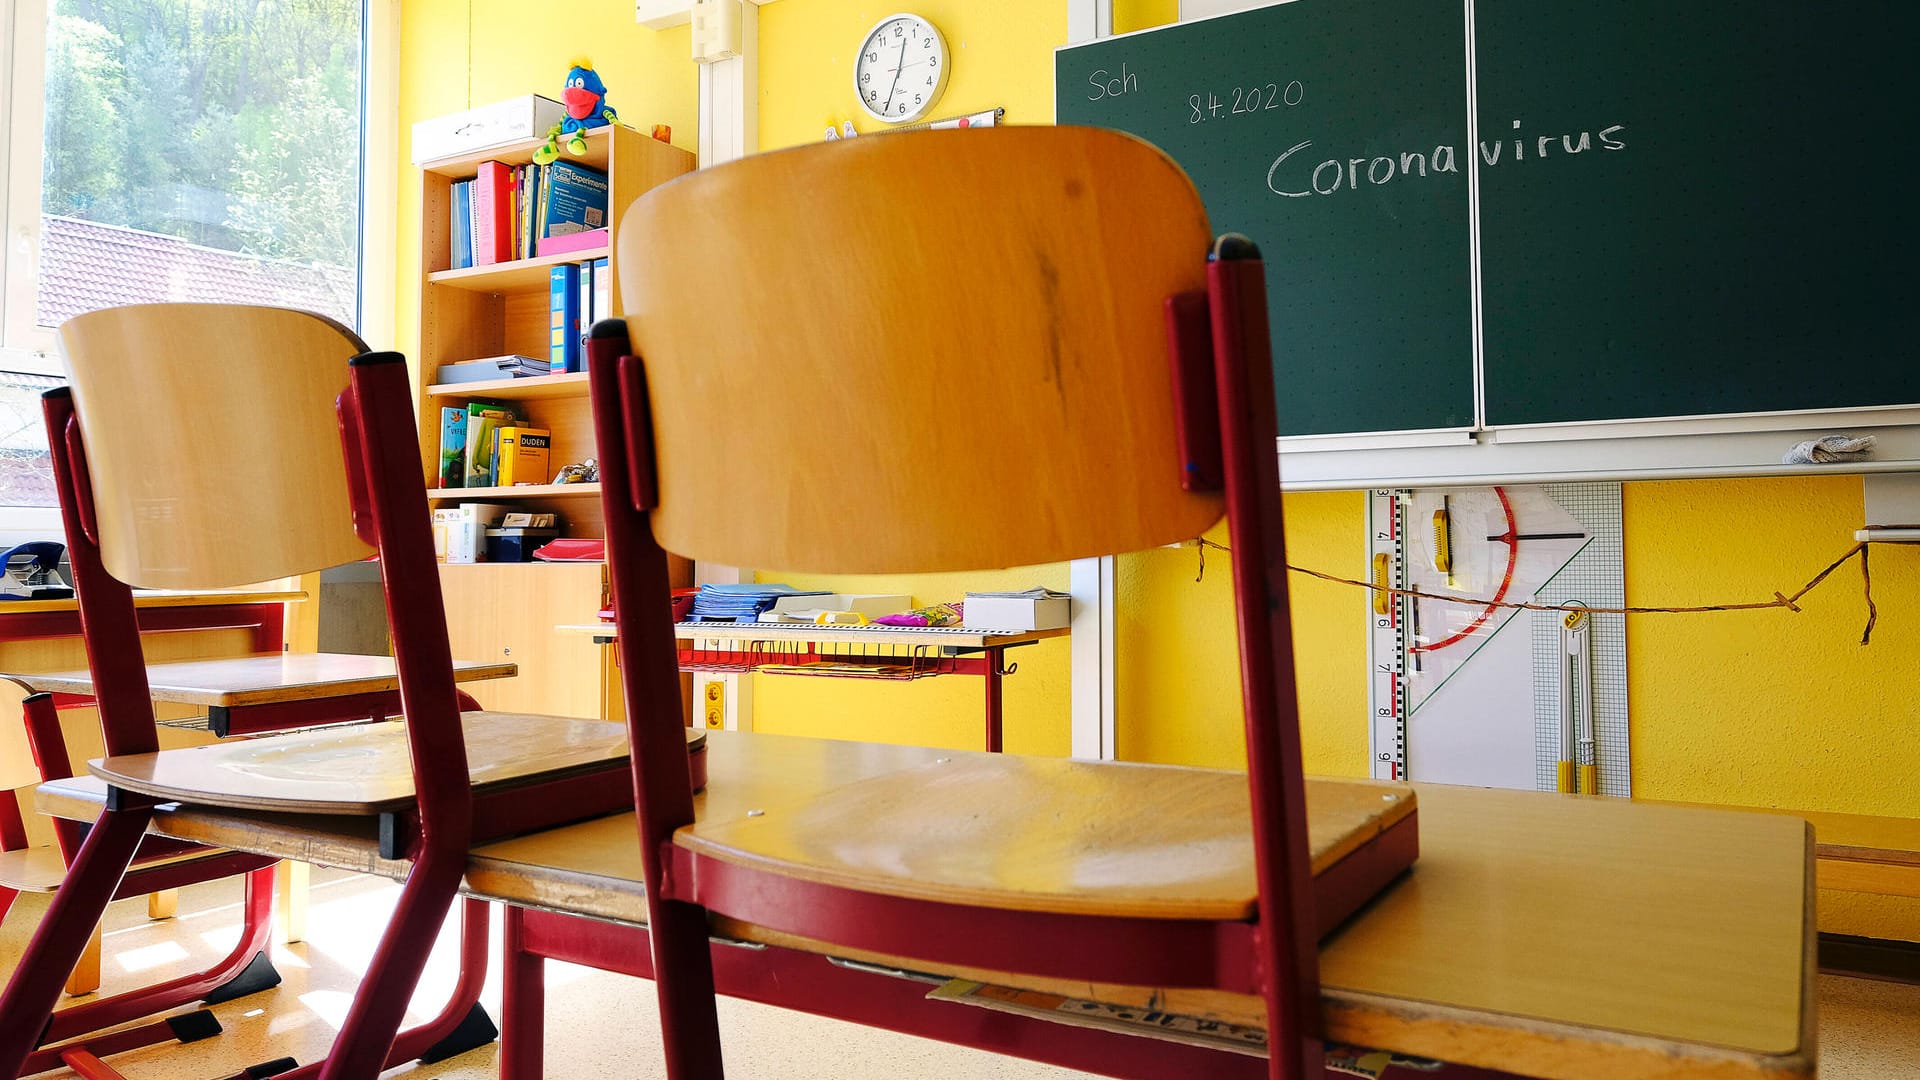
(740, 603)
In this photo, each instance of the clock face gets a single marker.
(901, 68)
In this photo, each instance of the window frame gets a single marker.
(31, 349)
(27, 347)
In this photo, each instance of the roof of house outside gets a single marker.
(86, 266)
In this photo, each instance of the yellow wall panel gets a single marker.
(1002, 55)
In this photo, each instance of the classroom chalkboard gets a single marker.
(1312, 127)
(1664, 207)
(1746, 248)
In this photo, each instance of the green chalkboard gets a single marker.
(1749, 245)
(1365, 234)
(1675, 207)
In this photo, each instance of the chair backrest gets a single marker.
(212, 445)
(959, 352)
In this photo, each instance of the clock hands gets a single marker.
(899, 65)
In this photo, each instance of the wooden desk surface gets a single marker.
(161, 598)
(1548, 935)
(958, 637)
(361, 768)
(271, 678)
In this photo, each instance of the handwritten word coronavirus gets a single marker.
(1295, 174)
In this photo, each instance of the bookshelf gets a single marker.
(508, 611)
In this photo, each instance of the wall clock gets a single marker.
(901, 68)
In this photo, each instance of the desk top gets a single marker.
(959, 637)
(1554, 936)
(269, 678)
(162, 598)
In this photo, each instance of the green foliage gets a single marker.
(230, 123)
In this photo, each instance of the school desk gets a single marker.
(894, 653)
(265, 693)
(1545, 935)
(271, 691)
(27, 625)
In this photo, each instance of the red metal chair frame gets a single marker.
(1223, 372)
(390, 513)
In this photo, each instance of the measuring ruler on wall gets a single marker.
(1388, 623)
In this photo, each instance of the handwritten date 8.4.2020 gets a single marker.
(1243, 100)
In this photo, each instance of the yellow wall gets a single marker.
(513, 49)
(1002, 55)
(1177, 687)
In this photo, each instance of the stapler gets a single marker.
(31, 571)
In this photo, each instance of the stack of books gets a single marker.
(490, 444)
(515, 366)
(511, 212)
(741, 603)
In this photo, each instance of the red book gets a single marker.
(493, 209)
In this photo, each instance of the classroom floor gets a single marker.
(604, 1025)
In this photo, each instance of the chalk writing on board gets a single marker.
(1106, 84)
(1245, 99)
(1297, 179)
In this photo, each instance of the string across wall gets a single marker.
(1779, 600)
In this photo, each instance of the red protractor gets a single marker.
(1509, 538)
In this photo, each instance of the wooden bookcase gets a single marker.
(508, 610)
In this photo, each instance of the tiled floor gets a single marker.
(601, 1025)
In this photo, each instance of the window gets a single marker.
(170, 150)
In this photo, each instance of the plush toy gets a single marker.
(587, 108)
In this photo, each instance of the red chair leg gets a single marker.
(373, 1020)
(683, 977)
(523, 1004)
(452, 1031)
(415, 1042)
(28, 1001)
(256, 927)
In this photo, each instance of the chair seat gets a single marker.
(41, 870)
(363, 769)
(1031, 834)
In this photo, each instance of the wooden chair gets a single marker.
(33, 751)
(848, 310)
(201, 446)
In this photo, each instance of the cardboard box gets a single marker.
(443, 521)
(529, 116)
(467, 530)
(1008, 613)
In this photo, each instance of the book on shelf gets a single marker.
(493, 217)
(576, 201)
(483, 419)
(586, 308)
(453, 447)
(521, 455)
(462, 238)
(563, 309)
(515, 366)
(602, 294)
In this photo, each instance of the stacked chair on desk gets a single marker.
(294, 452)
(1042, 333)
